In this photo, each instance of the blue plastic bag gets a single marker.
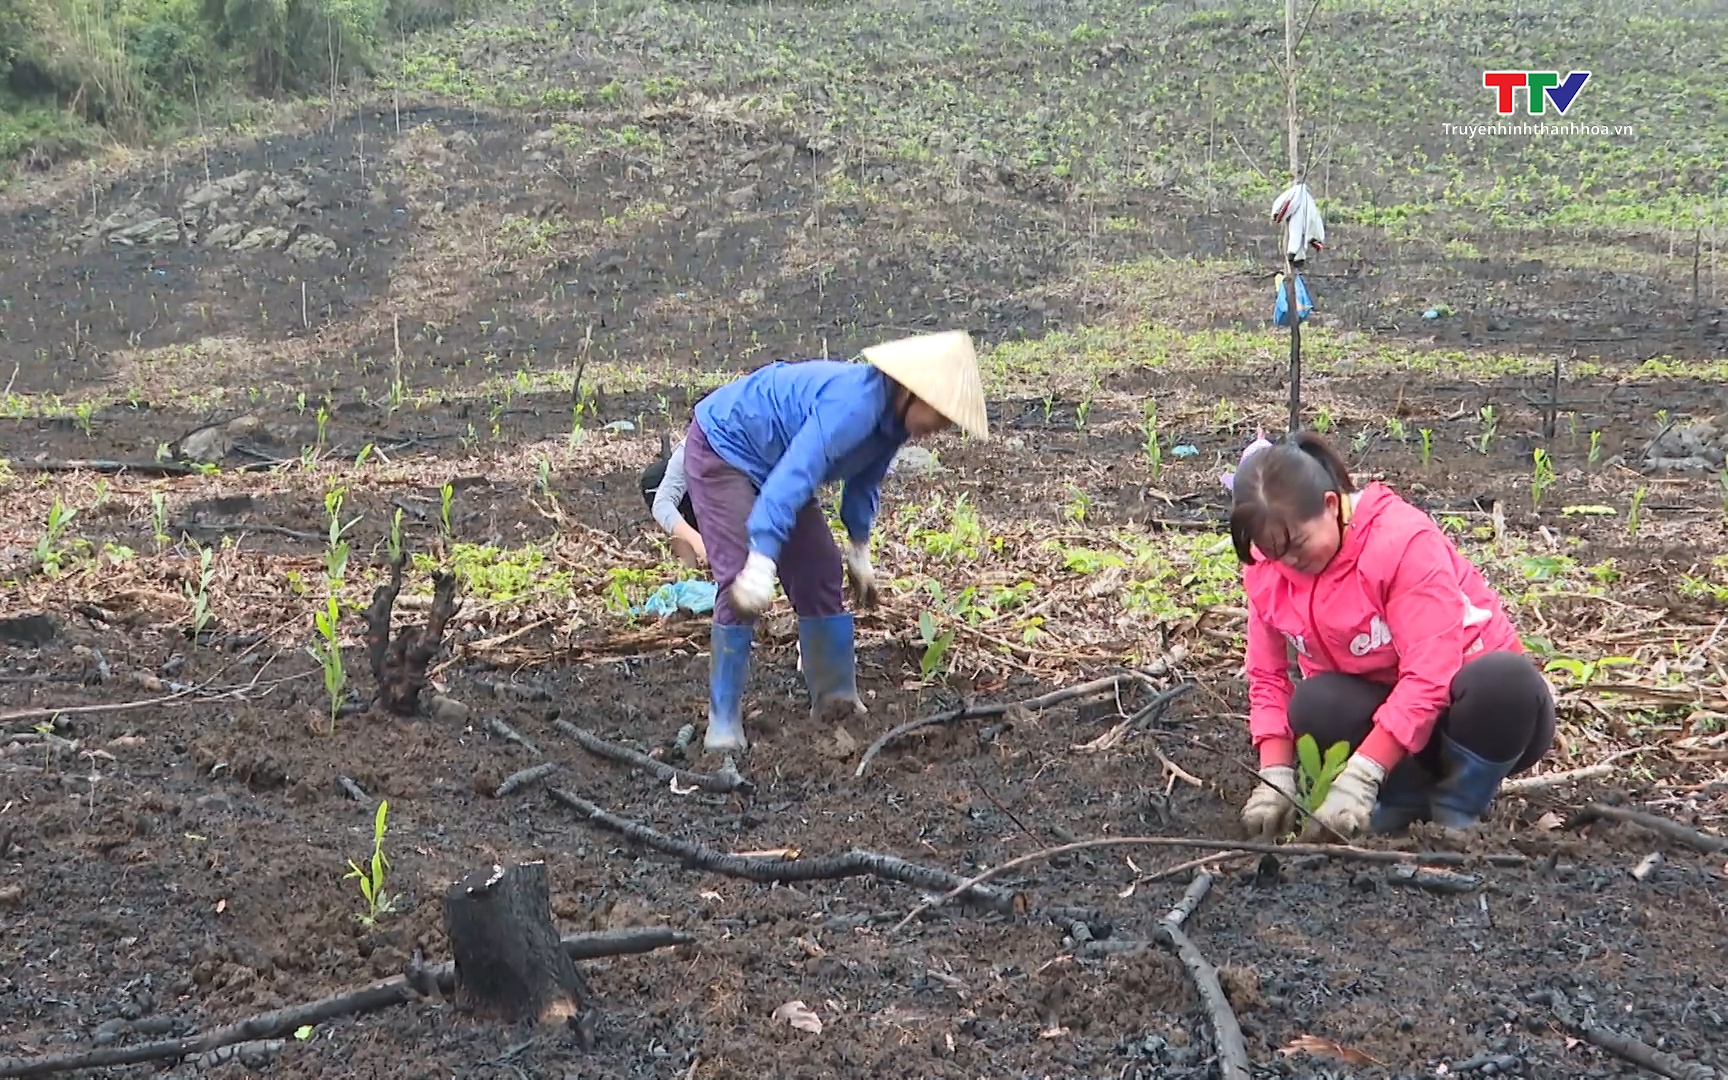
(695, 597)
(1281, 306)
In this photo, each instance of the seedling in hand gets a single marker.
(1315, 773)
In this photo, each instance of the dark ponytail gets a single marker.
(1281, 488)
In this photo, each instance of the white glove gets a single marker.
(1350, 801)
(753, 589)
(863, 577)
(1267, 814)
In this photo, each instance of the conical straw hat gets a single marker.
(942, 371)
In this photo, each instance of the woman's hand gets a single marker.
(1350, 801)
(863, 576)
(1268, 814)
(687, 545)
(753, 590)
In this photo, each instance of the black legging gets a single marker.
(1501, 709)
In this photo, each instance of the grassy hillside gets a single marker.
(1120, 95)
(74, 73)
(1115, 97)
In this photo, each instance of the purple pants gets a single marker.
(810, 568)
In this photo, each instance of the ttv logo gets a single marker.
(1542, 88)
(1379, 636)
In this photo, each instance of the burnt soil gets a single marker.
(184, 862)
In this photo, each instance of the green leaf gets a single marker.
(303, 1032)
(1308, 754)
(1336, 756)
(927, 626)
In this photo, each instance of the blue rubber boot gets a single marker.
(1466, 791)
(728, 667)
(1404, 798)
(830, 666)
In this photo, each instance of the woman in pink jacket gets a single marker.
(1404, 650)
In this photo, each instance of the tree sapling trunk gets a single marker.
(399, 665)
(510, 965)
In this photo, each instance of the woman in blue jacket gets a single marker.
(757, 451)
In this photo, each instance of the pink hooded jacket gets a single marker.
(1398, 605)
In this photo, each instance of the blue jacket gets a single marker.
(792, 427)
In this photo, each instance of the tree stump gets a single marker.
(399, 664)
(510, 964)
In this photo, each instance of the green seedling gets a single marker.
(200, 596)
(1394, 429)
(378, 902)
(47, 550)
(543, 477)
(1541, 476)
(327, 650)
(1633, 514)
(1489, 426)
(936, 645)
(1323, 420)
(1583, 672)
(1427, 435)
(1154, 452)
(323, 422)
(336, 550)
(1077, 506)
(394, 543)
(1595, 447)
(446, 496)
(1314, 774)
(46, 730)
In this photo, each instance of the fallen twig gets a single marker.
(1434, 880)
(351, 789)
(977, 712)
(531, 775)
(1638, 1052)
(142, 468)
(396, 990)
(725, 781)
(504, 731)
(116, 706)
(1190, 902)
(1330, 851)
(1543, 781)
(1673, 830)
(777, 870)
(1233, 1060)
(194, 527)
(178, 695)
